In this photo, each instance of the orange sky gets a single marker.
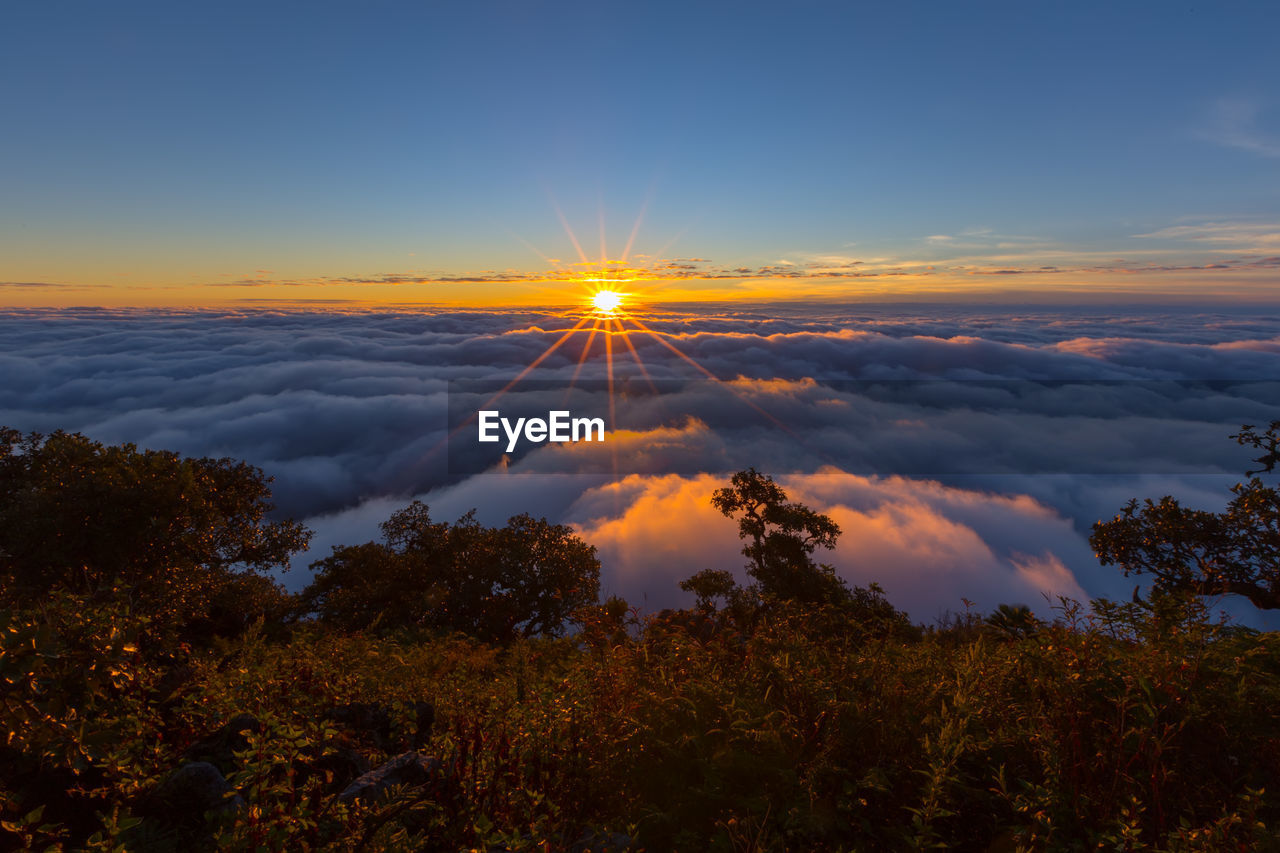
(571, 285)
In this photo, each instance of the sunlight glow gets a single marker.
(608, 318)
(606, 301)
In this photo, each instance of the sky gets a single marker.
(196, 155)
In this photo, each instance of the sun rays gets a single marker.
(609, 307)
(607, 338)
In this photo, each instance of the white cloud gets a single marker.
(1233, 236)
(1235, 123)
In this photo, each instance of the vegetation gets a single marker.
(496, 584)
(186, 540)
(792, 714)
(781, 537)
(1205, 553)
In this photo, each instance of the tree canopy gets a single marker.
(780, 537)
(1205, 553)
(183, 535)
(524, 579)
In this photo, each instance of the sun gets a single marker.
(606, 301)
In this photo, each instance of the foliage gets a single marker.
(1206, 553)
(708, 585)
(77, 693)
(1268, 442)
(1132, 725)
(524, 579)
(604, 626)
(781, 537)
(810, 725)
(1012, 620)
(185, 537)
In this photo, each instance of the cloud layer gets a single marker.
(964, 452)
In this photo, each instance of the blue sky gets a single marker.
(154, 145)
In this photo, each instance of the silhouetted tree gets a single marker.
(1205, 553)
(1268, 442)
(1012, 621)
(605, 625)
(184, 538)
(708, 585)
(524, 579)
(781, 537)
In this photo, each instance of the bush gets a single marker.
(182, 536)
(522, 580)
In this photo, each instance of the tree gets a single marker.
(781, 537)
(524, 579)
(603, 626)
(1011, 621)
(1205, 553)
(182, 537)
(708, 585)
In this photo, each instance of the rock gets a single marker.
(190, 791)
(407, 769)
(220, 747)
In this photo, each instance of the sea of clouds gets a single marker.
(964, 451)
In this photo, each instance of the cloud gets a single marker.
(1235, 123)
(1238, 236)
(930, 546)
(987, 238)
(48, 285)
(945, 259)
(967, 448)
